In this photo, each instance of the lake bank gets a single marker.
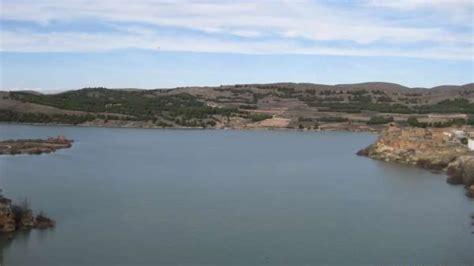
(325, 127)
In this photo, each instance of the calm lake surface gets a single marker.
(149, 196)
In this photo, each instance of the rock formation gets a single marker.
(434, 148)
(14, 217)
(7, 218)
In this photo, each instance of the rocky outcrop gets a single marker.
(7, 218)
(461, 172)
(24, 218)
(434, 148)
(34, 146)
(16, 217)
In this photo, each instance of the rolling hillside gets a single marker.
(364, 106)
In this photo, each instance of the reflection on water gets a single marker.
(20, 237)
(472, 223)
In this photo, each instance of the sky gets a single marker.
(53, 45)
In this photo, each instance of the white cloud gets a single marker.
(285, 21)
(445, 11)
(70, 42)
(417, 4)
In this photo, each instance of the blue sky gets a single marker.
(68, 44)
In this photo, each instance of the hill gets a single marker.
(363, 106)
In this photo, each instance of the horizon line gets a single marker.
(61, 90)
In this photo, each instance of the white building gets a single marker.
(470, 144)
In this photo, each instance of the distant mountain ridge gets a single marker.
(367, 85)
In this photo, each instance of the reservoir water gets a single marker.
(218, 197)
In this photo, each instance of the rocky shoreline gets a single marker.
(34, 146)
(440, 149)
(16, 217)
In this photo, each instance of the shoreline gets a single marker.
(439, 150)
(194, 128)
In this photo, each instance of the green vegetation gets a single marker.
(361, 98)
(137, 103)
(358, 107)
(169, 108)
(249, 107)
(459, 105)
(450, 123)
(361, 101)
(12, 116)
(384, 99)
(358, 92)
(412, 121)
(184, 109)
(259, 117)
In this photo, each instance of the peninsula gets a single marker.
(440, 149)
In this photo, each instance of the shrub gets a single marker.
(259, 117)
(413, 122)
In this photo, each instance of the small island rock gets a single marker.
(34, 146)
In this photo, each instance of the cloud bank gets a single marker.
(438, 29)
